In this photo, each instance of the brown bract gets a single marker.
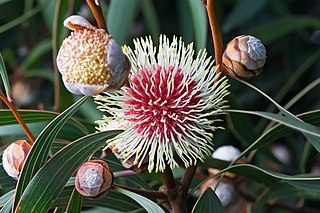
(89, 60)
(244, 57)
(14, 156)
(94, 179)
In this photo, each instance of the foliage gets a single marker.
(266, 181)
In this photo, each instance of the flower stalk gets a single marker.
(17, 116)
(215, 30)
(146, 193)
(97, 12)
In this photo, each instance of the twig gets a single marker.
(97, 12)
(146, 193)
(18, 117)
(187, 178)
(176, 195)
(215, 30)
(54, 55)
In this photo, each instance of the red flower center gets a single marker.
(160, 101)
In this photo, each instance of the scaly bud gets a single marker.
(89, 60)
(244, 57)
(94, 179)
(14, 156)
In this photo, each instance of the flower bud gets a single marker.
(14, 156)
(89, 60)
(94, 179)
(244, 57)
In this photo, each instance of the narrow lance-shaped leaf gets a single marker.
(75, 202)
(48, 183)
(312, 133)
(4, 76)
(8, 206)
(200, 23)
(147, 204)
(208, 202)
(305, 182)
(40, 149)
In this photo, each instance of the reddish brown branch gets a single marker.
(187, 178)
(97, 12)
(146, 193)
(18, 117)
(215, 30)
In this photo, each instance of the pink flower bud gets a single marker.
(14, 156)
(89, 60)
(94, 179)
(244, 57)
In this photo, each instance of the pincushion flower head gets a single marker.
(171, 104)
(89, 60)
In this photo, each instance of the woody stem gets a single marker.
(215, 30)
(146, 193)
(97, 12)
(18, 117)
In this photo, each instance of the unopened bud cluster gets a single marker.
(244, 57)
(94, 179)
(14, 156)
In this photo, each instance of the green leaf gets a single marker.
(4, 1)
(8, 206)
(200, 23)
(75, 202)
(292, 123)
(47, 74)
(7, 183)
(241, 13)
(5, 198)
(147, 204)
(208, 202)
(313, 131)
(34, 116)
(118, 23)
(40, 149)
(4, 76)
(58, 34)
(24, 17)
(113, 200)
(47, 184)
(240, 125)
(275, 29)
(306, 182)
(151, 19)
(284, 190)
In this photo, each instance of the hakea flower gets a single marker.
(171, 103)
(89, 60)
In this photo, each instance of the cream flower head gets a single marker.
(89, 60)
(171, 104)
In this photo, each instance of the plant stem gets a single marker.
(18, 117)
(215, 30)
(146, 193)
(97, 12)
(54, 55)
(176, 195)
(187, 178)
